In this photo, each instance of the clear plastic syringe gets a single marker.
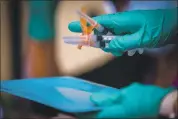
(102, 30)
(98, 41)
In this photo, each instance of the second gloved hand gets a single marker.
(141, 28)
(134, 101)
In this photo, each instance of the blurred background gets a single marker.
(23, 57)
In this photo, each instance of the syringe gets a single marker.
(102, 30)
(97, 41)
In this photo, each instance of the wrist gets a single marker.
(168, 104)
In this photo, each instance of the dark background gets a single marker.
(118, 73)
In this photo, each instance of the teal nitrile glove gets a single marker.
(134, 101)
(142, 28)
(41, 20)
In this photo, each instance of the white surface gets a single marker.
(168, 103)
(109, 7)
(71, 60)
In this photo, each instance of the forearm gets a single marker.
(168, 104)
(40, 60)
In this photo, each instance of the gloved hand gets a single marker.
(141, 28)
(41, 19)
(134, 101)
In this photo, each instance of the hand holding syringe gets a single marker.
(143, 28)
(98, 41)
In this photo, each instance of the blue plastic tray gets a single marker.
(67, 94)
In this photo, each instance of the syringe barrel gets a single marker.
(85, 40)
(98, 41)
(72, 40)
